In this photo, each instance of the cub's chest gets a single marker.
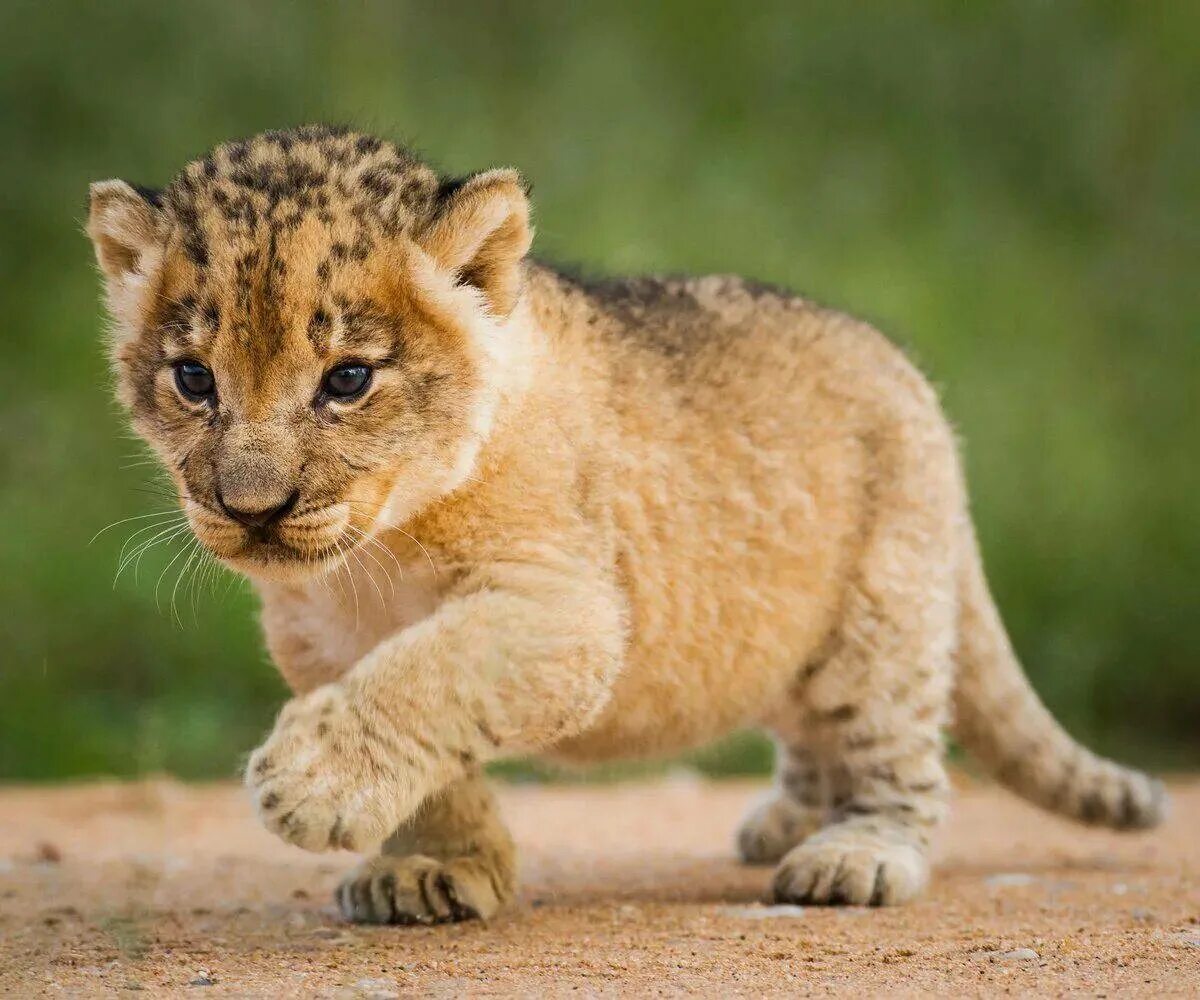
(316, 631)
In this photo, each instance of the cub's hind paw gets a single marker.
(844, 867)
(774, 827)
(421, 890)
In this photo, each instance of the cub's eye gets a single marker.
(346, 381)
(194, 380)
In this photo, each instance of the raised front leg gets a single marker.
(517, 657)
(454, 860)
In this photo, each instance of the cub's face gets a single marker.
(308, 330)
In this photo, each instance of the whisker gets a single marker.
(395, 527)
(157, 526)
(353, 586)
(165, 536)
(179, 576)
(370, 576)
(166, 569)
(366, 550)
(432, 565)
(126, 520)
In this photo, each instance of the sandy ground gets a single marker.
(163, 889)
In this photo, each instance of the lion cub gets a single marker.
(491, 510)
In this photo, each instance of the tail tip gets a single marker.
(1156, 809)
(1142, 804)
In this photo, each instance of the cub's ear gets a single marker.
(123, 224)
(480, 230)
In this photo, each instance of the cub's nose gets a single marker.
(261, 518)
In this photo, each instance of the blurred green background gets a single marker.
(1012, 190)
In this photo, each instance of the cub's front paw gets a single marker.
(324, 778)
(422, 890)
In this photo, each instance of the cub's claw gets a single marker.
(845, 867)
(421, 890)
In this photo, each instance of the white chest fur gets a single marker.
(317, 630)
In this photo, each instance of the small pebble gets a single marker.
(1016, 955)
(762, 912)
(204, 979)
(47, 853)
(1004, 879)
(377, 989)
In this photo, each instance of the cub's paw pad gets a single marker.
(847, 870)
(420, 890)
(774, 827)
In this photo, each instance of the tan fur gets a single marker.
(590, 521)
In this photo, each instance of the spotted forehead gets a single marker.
(273, 229)
(270, 184)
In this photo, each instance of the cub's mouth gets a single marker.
(288, 543)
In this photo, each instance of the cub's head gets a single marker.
(308, 328)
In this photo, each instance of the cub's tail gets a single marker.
(999, 718)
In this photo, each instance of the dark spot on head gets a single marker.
(318, 329)
(414, 196)
(195, 247)
(150, 195)
(378, 182)
(449, 186)
(279, 138)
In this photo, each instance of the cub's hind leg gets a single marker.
(795, 808)
(891, 792)
(874, 707)
(453, 861)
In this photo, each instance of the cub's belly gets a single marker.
(677, 695)
(727, 601)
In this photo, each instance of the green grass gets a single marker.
(1008, 189)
